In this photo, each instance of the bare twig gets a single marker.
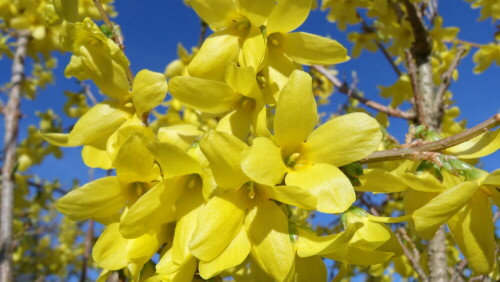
(412, 71)
(447, 78)
(352, 93)
(457, 274)
(414, 261)
(117, 38)
(464, 42)
(89, 238)
(11, 116)
(412, 152)
(203, 33)
(87, 92)
(380, 46)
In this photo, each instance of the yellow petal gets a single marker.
(187, 209)
(337, 247)
(235, 253)
(96, 157)
(477, 147)
(211, 59)
(291, 195)
(102, 198)
(310, 269)
(67, 9)
(309, 49)
(309, 244)
(173, 160)
(333, 190)
(236, 123)
(141, 249)
(492, 185)
(262, 162)
(344, 139)
(153, 209)
(134, 162)
(110, 250)
(224, 152)
(380, 180)
(296, 112)
(242, 79)
(58, 139)
(437, 211)
(148, 90)
(172, 271)
(253, 49)
(202, 94)
(473, 231)
(99, 122)
(219, 221)
(181, 135)
(267, 227)
(217, 13)
(425, 182)
(288, 15)
(256, 11)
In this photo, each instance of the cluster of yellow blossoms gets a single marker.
(226, 200)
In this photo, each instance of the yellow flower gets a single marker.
(240, 96)
(310, 158)
(363, 241)
(237, 29)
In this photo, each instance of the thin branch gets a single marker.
(89, 238)
(352, 93)
(87, 92)
(203, 33)
(412, 71)
(412, 152)
(380, 46)
(457, 274)
(415, 263)
(11, 117)
(117, 38)
(464, 42)
(447, 77)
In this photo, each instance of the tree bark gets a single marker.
(11, 117)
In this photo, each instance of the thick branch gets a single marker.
(352, 93)
(11, 116)
(410, 153)
(417, 96)
(413, 256)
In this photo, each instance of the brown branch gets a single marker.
(412, 71)
(352, 93)
(89, 238)
(412, 152)
(414, 260)
(457, 274)
(11, 117)
(380, 46)
(421, 46)
(117, 38)
(447, 76)
(203, 33)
